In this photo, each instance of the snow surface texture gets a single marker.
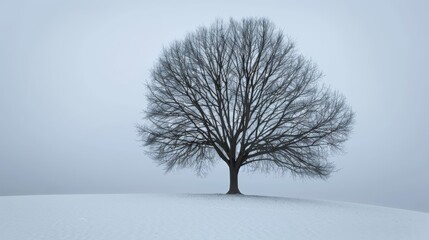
(149, 216)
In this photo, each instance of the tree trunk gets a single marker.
(233, 181)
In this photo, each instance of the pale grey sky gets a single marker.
(72, 89)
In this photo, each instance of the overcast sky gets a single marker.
(72, 77)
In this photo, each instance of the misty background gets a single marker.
(72, 77)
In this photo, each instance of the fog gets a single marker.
(72, 91)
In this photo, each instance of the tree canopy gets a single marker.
(238, 91)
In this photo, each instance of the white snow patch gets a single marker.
(150, 216)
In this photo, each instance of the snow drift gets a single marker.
(150, 216)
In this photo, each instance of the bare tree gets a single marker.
(239, 92)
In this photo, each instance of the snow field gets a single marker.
(152, 216)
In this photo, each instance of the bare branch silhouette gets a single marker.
(240, 92)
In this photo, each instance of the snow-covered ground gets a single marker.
(151, 216)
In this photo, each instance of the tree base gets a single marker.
(234, 192)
